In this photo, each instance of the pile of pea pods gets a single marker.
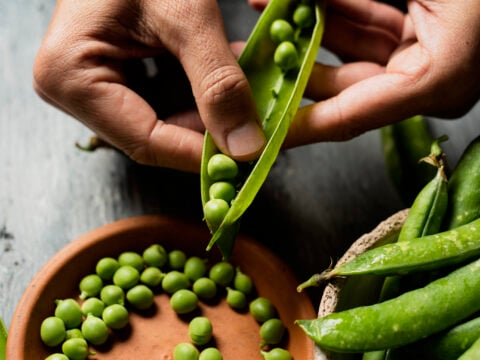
(428, 306)
(131, 281)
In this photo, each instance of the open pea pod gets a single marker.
(277, 95)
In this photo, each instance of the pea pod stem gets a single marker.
(277, 95)
(402, 320)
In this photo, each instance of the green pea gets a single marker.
(52, 331)
(106, 267)
(152, 276)
(210, 353)
(140, 297)
(112, 294)
(176, 259)
(277, 354)
(303, 16)
(73, 333)
(205, 288)
(243, 282)
(195, 268)
(95, 330)
(222, 190)
(214, 211)
(185, 351)
(174, 281)
(93, 306)
(184, 301)
(222, 273)
(200, 330)
(76, 349)
(280, 31)
(271, 332)
(262, 309)
(57, 356)
(90, 286)
(236, 299)
(115, 316)
(70, 312)
(131, 258)
(126, 277)
(286, 56)
(155, 255)
(221, 167)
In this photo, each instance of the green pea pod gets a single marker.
(3, 340)
(404, 143)
(402, 320)
(446, 345)
(464, 188)
(473, 353)
(430, 252)
(277, 96)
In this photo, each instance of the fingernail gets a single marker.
(246, 142)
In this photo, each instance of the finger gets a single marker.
(221, 90)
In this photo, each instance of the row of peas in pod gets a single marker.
(223, 172)
(132, 280)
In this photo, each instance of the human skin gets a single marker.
(89, 66)
(394, 65)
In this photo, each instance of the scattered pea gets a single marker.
(152, 276)
(155, 255)
(271, 332)
(262, 309)
(131, 258)
(286, 56)
(52, 331)
(70, 312)
(200, 330)
(222, 273)
(90, 286)
(185, 351)
(73, 333)
(221, 167)
(115, 316)
(177, 259)
(205, 288)
(280, 31)
(184, 301)
(112, 294)
(126, 277)
(93, 306)
(243, 282)
(303, 16)
(175, 280)
(236, 299)
(210, 353)
(106, 267)
(57, 356)
(277, 354)
(222, 190)
(140, 296)
(215, 211)
(95, 330)
(195, 268)
(76, 349)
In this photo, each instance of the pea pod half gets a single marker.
(402, 320)
(277, 95)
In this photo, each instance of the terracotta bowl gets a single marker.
(345, 293)
(154, 333)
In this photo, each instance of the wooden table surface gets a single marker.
(317, 199)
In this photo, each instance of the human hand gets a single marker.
(395, 65)
(89, 66)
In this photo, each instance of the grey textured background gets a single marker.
(316, 201)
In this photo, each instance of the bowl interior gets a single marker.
(153, 334)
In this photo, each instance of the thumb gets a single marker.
(221, 89)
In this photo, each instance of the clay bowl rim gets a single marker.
(144, 224)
